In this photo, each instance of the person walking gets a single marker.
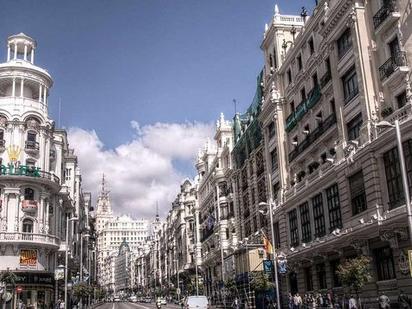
(352, 303)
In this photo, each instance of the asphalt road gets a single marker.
(135, 306)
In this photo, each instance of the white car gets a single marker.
(196, 302)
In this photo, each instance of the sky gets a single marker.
(141, 83)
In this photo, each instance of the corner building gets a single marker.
(335, 177)
(39, 177)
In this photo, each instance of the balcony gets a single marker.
(32, 147)
(396, 62)
(386, 15)
(27, 171)
(30, 238)
(313, 98)
(29, 206)
(313, 136)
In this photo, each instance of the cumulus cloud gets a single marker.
(140, 172)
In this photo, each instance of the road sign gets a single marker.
(178, 291)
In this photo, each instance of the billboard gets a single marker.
(28, 258)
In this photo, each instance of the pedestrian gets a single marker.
(290, 301)
(404, 301)
(352, 303)
(297, 301)
(384, 301)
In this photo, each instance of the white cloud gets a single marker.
(141, 171)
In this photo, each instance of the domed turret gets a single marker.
(21, 46)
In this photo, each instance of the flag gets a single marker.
(267, 245)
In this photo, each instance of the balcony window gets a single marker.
(31, 137)
(318, 215)
(388, 7)
(311, 46)
(354, 127)
(27, 226)
(292, 106)
(385, 266)
(303, 94)
(393, 173)
(299, 61)
(401, 99)
(289, 74)
(350, 85)
(344, 43)
(272, 129)
(293, 227)
(315, 81)
(305, 222)
(274, 159)
(335, 216)
(29, 194)
(357, 193)
(397, 59)
(275, 190)
(321, 270)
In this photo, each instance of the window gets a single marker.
(303, 94)
(393, 173)
(315, 81)
(354, 127)
(400, 99)
(321, 276)
(318, 215)
(27, 226)
(394, 47)
(299, 60)
(2, 136)
(293, 225)
(289, 73)
(272, 129)
(334, 268)
(344, 43)
(305, 222)
(29, 194)
(274, 159)
(335, 217)
(274, 58)
(385, 266)
(311, 46)
(292, 106)
(31, 137)
(275, 191)
(350, 85)
(357, 193)
(308, 278)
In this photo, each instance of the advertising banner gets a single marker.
(28, 258)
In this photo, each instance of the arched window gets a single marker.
(27, 226)
(29, 194)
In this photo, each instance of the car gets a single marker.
(116, 299)
(133, 299)
(162, 301)
(196, 302)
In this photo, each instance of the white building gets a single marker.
(112, 231)
(40, 183)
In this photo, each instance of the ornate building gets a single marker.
(40, 182)
(329, 82)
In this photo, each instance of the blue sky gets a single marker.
(147, 61)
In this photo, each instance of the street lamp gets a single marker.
(386, 124)
(67, 258)
(269, 206)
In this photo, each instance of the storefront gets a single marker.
(35, 289)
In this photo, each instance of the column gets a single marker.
(13, 92)
(25, 52)
(8, 52)
(32, 55)
(15, 51)
(40, 212)
(40, 91)
(21, 87)
(45, 95)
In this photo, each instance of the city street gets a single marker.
(135, 305)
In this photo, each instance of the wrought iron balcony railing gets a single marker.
(313, 136)
(32, 145)
(395, 61)
(383, 13)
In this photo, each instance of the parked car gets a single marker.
(196, 302)
(162, 301)
(133, 299)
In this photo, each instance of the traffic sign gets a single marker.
(178, 291)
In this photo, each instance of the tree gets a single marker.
(261, 282)
(82, 290)
(9, 278)
(355, 273)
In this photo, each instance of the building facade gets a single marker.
(40, 180)
(330, 79)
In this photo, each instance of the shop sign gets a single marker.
(34, 278)
(19, 170)
(28, 258)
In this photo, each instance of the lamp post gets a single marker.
(67, 258)
(386, 124)
(274, 258)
